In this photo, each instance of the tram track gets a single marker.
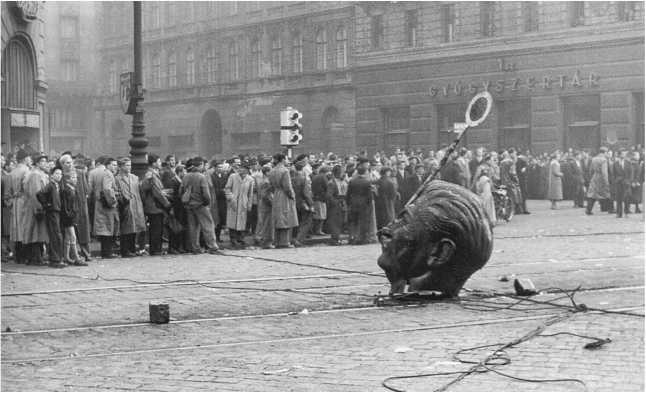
(272, 315)
(287, 340)
(346, 273)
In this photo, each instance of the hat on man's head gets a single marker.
(21, 155)
(362, 160)
(38, 156)
(301, 157)
(264, 161)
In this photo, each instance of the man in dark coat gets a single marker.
(578, 179)
(155, 203)
(219, 178)
(319, 195)
(304, 203)
(360, 202)
(623, 179)
(522, 171)
(50, 198)
(452, 172)
(283, 209)
(413, 182)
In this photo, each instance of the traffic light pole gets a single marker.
(138, 142)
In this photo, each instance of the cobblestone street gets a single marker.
(306, 319)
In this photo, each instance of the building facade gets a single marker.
(217, 74)
(562, 74)
(23, 77)
(375, 75)
(71, 36)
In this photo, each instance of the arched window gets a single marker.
(297, 53)
(234, 61)
(172, 69)
(114, 82)
(211, 65)
(321, 50)
(254, 61)
(155, 74)
(276, 55)
(341, 48)
(190, 67)
(171, 13)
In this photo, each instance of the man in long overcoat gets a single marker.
(623, 178)
(360, 204)
(319, 195)
(81, 219)
(35, 225)
(599, 188)
(304, 204)
(578, 179)
(106, 214)
(18, 214)
(283, 209)
(155, 203)
(264, 228)
(219, 179)
(239, 194)
(132, 221)
(555, 184)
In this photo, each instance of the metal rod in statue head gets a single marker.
(443, 235)
(477, 111)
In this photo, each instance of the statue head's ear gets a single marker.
(441, 253)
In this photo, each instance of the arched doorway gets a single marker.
(210, 134)
(330, 123)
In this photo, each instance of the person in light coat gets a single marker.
(283, 210)
(483, 187)
(554, 181)
(239, 194)
(106, 214)
(133, 220)
(35, 226)
(599, 188)
(17, 200)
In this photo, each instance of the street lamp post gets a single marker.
(138, 142)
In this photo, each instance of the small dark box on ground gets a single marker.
(159, 313)
(524, 287)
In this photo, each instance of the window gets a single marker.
(529, 11)
(626, 11)
(447, 116)
(487, 18)
(233, 62)
(515, 121)
(172, 69)
(211, 65)
(114, 80)
(448, 22)
(254, 61)
(70, 70)
(155, 74)
(276, 55)
(246, 140)
(576, 13)
(181, 141)
(377, 32)
(321, 50)
(297, 53)
(396, 126)
(171, 13)
(341, 48)
(411, 27)
(69, 27)
(190, 67)
(154, 15)
(582, 115)
(17, 61)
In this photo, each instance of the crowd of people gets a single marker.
(53, 207)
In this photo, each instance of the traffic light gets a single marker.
(290, 127)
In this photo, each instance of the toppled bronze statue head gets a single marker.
(437, 242)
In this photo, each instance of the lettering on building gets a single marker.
(528, 84)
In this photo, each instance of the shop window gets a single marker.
(515, 120)
(582, 114)
(377, 31)
(529, 13)
(638, 99)
(411, 27)
(396, 127)
(487, 18)
(576, 13)
(448, 22)
(447, 116)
